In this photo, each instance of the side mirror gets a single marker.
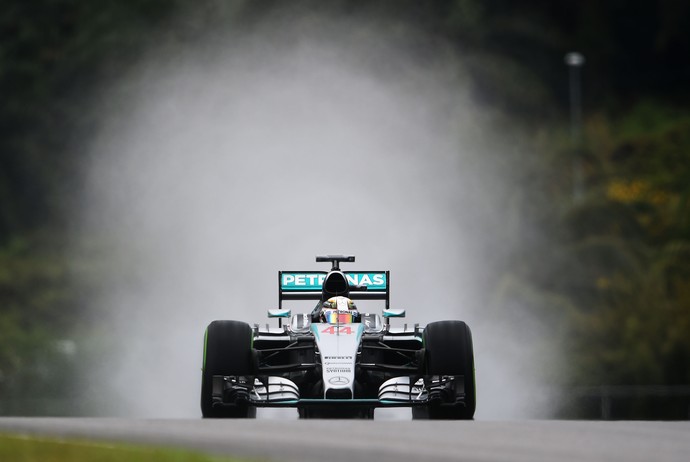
(393, 313)
(279, 313)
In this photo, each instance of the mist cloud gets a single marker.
(242, 153)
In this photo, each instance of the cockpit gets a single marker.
(339, 310)
(339, 317)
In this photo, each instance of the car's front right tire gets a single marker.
(227, 351)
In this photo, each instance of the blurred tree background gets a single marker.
(620, 295)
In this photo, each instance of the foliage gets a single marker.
(630, 252)
(36, 325)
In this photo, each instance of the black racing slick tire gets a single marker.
(227, 351)
(449, 351)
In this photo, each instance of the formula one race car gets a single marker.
(337, 362)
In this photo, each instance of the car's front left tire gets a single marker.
(449, 351)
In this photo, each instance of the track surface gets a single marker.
(351, 440)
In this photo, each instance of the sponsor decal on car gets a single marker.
(338, 370)
(314, 281)
(338, 380)
(335, 330)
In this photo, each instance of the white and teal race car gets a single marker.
(335, 361)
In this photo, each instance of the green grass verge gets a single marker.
(21, 448)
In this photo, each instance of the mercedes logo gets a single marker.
(339, 380)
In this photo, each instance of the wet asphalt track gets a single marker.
(377, 440)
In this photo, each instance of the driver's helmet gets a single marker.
(338, 310)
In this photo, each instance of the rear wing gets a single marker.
(307, 285)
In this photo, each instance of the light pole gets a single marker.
(575, 61)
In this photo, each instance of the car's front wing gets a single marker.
(273, 391)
